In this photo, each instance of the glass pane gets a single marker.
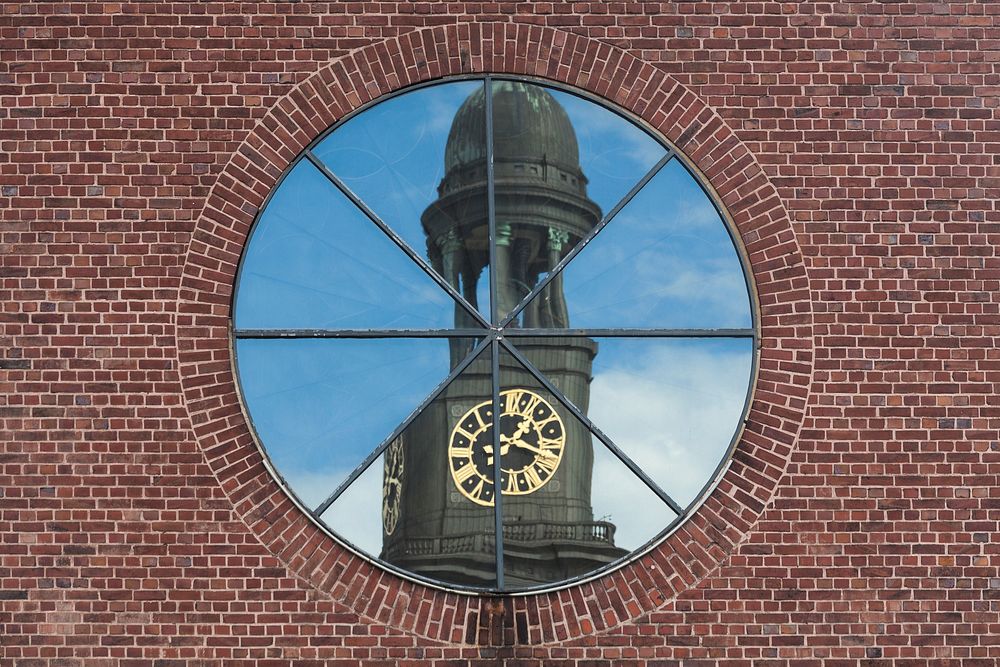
(358, 514)
(615, 153)
(445, 524)
(665, 261)
(320, 406)
(419, 161)
(568, 504)
(315, 261)
(671, 405)
(635, 513)
(560, 160)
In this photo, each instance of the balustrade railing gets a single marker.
(530, 532)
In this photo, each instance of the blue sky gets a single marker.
(316, 261)
(313, 260)
(665, 261)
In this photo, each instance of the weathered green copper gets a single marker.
(541, 212)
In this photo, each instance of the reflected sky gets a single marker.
(357, 514)
(617, 494)
(315, 261)
(671, 405)
(392, 155)
(614, 153)
(665, 261)
(321, 406)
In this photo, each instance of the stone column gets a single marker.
(505, 289)
(558, 314)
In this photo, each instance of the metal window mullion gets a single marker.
(630, 333)
(494, 346)
(557, 269)
(325, 505)
(490, 197)
(629, 463)
(497, 469)
(356, 333)
(393, 236)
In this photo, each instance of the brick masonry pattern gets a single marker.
(854, 145)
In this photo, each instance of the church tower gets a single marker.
(444, 530)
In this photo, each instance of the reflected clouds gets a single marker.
(357, 514)
(616, 498)
(672, 406)
(666, 261)
(326, 404)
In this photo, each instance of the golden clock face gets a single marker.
(532, 439)
(392, 485)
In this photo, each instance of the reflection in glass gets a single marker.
(427, 503)
(672, 406)
(614, 153)
(547, 457)
(418, 161)
(620, 500)
(315, 261)
(445, 524)
(359, 513)
(542, 208)
(545, 202)
(665, 261)
(322, 405)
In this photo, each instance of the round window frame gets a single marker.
(745, 266)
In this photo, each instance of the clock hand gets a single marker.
(522, 428)
(531, 448)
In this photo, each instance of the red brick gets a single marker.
(854, 146)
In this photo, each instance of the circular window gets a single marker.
(494, 335)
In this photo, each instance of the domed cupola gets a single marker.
(542, 209)
(529, 126)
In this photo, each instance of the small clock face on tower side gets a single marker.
(392, 485)
(532, 439)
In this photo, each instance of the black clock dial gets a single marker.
(532, 438)
(392, 486)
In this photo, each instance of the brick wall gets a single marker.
(855, 146)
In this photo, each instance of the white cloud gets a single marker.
(597, 126)
(673, 410)
(671, 407)
(657, 286)
(357, 514)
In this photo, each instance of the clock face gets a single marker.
(532, 439)
(392, 485)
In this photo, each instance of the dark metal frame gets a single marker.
(495, 338)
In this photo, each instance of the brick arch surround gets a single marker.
(654, 581)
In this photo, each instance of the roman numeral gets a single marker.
(547, 465)
(461, 452)
(465, 473)
(532, 477)
(545, 422)
(512, 400)
(465, 434)
(511, 486)
(550, 443)
(529, 407)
